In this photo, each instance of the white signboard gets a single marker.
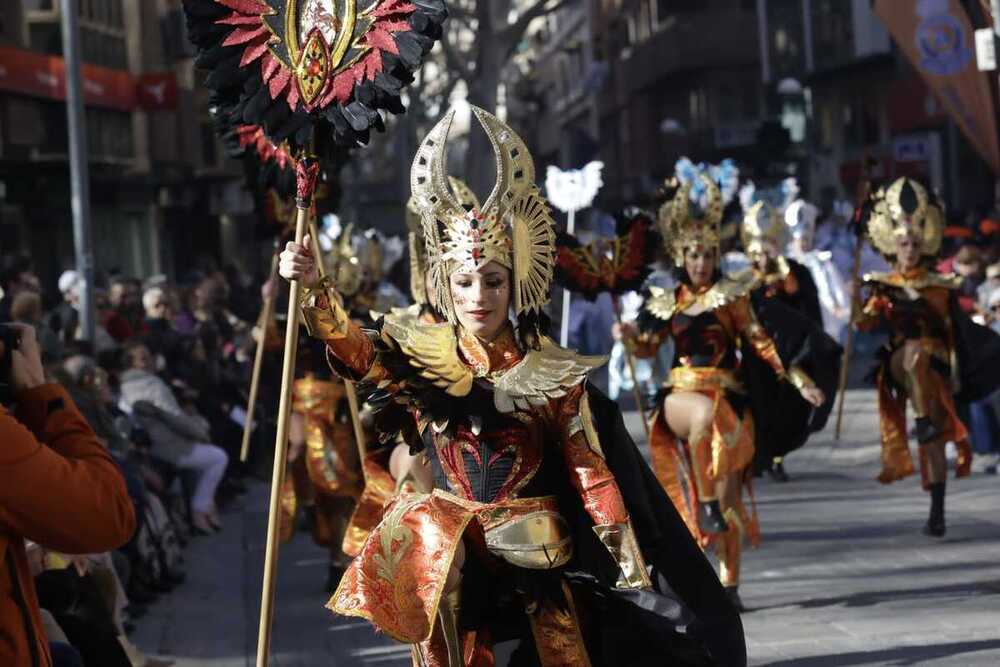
(986, 50)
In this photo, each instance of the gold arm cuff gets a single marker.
(326, 323)
(799, 378)
(619, 539)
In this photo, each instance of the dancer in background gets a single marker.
(935, 352)
(702, 438)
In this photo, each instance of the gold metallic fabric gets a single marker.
(684, 472)
(397, 580)
(379, 489)
(557, 633)
(897, 461)
(620, 541)
(799, 378)
(330, 449)
(535, 541)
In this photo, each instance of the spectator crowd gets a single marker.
(163, 385)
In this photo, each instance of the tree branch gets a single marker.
(512, 34)
(454, 61)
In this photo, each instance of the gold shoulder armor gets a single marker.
(883, 277)
(405, 316)
(661, 303)
(542, 375)
(433, 349)
(946, 280)
(730, 288)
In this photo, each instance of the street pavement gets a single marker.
(843, 576)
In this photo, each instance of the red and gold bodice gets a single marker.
(707, 326)
(702, 341)
(913, 304)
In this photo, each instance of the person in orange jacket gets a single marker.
(60, 488)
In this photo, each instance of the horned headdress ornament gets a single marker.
(513, 228)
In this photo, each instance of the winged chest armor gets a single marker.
(485, 411)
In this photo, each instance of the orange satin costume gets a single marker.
(915, 306)
(706, 362)
(489, 491)
(328, 474)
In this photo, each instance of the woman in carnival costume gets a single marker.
(786, 300)
(935, 353)
(702, 438)
(544, 524)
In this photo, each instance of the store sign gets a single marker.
(157, 92)
(40, 75)
(911, 149)
(986, 50)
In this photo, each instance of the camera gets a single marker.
(10, 340)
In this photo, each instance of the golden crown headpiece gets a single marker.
(513, 228)
(683, 228)
(904, 209)
(762, 224)
(343, 264)
(418, 244)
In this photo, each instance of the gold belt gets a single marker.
(687, 378)
(525, 532)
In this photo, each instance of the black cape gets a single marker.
(689, 619)
(978, 351)
(783, 421)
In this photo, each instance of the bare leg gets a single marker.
(689, 416)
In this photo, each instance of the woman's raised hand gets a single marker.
(296, 262)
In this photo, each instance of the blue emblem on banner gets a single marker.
(941, 41)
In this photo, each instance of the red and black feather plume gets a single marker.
(614, 265)
(290, 65)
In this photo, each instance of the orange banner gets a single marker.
(937, 37)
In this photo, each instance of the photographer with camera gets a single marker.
(59, 487)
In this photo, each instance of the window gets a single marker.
(109, 134)
(833, 34)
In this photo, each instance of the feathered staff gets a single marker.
(571, 191)
(616, 265)
(312, 74)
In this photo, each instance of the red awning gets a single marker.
(41, 75)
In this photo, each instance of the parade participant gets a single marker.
(764, 236)
(705, 406)
(800, 217)
(533, 515)
(325, 465)
(783, 280)
(934, 350)
(324, 476)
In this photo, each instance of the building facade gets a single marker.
(162, 190)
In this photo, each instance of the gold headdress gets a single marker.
(905, 209)
(762, 224)
(682, 228)
(514, 228)
(418, 245)
(343, 264)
